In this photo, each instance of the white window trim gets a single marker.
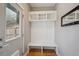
(18, 36)
(14, 38)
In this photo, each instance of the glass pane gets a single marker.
(70, 18)
(12, 23)
(77, 15)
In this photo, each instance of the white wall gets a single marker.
(67, 37)
(26, 25)
(42, 32)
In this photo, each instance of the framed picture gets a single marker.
(71, 18)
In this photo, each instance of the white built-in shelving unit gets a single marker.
(42, 33)
(42, 16)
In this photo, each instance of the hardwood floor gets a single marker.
(37, 52)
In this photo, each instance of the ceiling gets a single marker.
(42, 4)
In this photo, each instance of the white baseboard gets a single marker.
(57, 52)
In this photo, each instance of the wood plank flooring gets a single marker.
(37, 52)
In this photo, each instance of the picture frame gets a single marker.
(70, 18)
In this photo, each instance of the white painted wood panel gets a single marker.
(42, 32)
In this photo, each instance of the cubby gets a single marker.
(42, 16)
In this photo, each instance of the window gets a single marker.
(12, 22)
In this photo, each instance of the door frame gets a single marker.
(22, 28)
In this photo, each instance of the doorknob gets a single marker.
(0, 39)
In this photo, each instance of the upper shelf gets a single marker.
(42, 16)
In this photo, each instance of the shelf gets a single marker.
(41, 20)
(42, 16)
